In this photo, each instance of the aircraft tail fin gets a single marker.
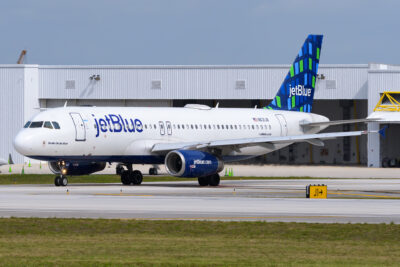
(297, 90)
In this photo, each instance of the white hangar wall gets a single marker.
(191, 82)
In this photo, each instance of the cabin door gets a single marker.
(80, 131)
(283, 124)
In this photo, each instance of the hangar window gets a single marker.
(156, 84)
(36, 124)
(48, 125)
(240, 85)
(27, 124)
(70, 84)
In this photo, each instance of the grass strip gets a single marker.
(88, 242)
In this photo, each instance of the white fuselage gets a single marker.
(123, 134)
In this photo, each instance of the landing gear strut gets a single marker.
(153, 171)
(131, 177)
(61, 180)
(212, 180)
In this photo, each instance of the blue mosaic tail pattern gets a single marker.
(297, 90)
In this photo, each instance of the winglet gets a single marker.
(382, 131)
(66, 102)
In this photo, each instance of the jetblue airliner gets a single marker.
(193, 141)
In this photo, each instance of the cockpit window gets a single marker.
(36, 124)
(47, 124)
(56, 125)
(27, 124)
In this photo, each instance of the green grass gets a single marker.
(87, 242)
(104, 178)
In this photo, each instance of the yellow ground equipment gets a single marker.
(317, 191)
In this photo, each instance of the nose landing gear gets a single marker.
(61, 180)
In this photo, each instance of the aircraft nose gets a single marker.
(21, 142)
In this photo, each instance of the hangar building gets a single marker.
(342, 92)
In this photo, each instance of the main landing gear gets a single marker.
(129, 176)
(61, 180)
(212, 180)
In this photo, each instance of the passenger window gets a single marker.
(252, 126)
(191, 126)
(235, 127)
(27, 124)
(155, 127)
(48, 125)
(179, 126)
(145, 126)
(36, 124)
(222, 126)
(218, 126)
(195, 126)
(183, 126)
(57, 126)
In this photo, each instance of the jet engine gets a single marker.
(192, 163)
(76, 168)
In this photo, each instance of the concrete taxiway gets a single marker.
(349, 200)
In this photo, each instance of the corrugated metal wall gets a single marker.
(11, 108)
(191, 82)
(381, 79)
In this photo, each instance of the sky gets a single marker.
(197, 32)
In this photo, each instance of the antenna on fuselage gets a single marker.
(65, 105)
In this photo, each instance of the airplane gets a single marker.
(193, 142)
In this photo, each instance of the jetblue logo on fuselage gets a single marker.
(116, 123)
(300, 90)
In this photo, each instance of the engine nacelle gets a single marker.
(192, 163)
(76, 168)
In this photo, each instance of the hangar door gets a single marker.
(80, 132)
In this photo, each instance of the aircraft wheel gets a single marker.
(203, 181)
(153, 171)
(119, 169)
(136, 177)
(63, 181)
(125, 179)
(57, 181)
(214, 179)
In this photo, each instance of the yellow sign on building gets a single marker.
(317, 191)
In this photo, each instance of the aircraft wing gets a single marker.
(315, 139)
(339, 122)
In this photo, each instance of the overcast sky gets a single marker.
(205, 32)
